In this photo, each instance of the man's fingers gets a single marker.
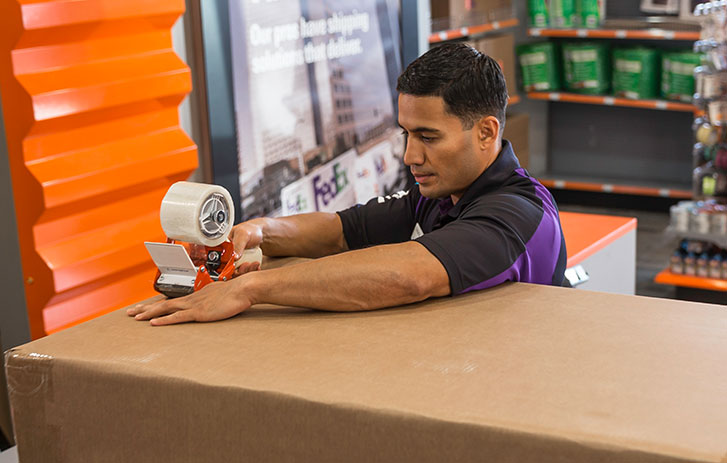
(246, 267)
(181, 316)
(158, 309)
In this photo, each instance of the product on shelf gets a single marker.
(538, 13)
(586, 67)
(539, 66)
(702, 217)
(709, 177)
(590, 13)
(635, 72)
(561, 13)
(699, 259)
(566, 13)
(677, 75)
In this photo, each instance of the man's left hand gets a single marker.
(216, 301)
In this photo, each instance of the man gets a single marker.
(474, 220)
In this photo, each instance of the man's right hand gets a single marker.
(246, 235)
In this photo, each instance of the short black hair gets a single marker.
(470, 82)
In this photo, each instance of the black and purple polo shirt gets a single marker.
(504, 228)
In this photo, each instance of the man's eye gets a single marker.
(425, 139)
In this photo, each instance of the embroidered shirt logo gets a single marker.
(417, 232)
(397, 195)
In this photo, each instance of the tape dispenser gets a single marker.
(197, 219)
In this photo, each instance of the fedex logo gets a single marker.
(325, 190)
(296, 204)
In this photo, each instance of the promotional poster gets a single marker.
(315, 94)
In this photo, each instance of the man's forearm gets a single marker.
(372, 278)
(306, 235)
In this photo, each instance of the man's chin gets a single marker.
(431, 193)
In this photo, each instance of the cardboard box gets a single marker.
(517, 373)
(450, 14)
(502, 49)
(517, 130)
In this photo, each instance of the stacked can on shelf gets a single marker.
(566, 13)
(703, 251)
(709, 177)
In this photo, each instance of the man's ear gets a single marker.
(488, 129)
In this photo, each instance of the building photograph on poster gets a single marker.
(314, 89)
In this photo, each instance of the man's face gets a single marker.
(443, 157)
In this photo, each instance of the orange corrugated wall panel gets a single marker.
(90, 90)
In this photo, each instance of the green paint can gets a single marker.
(589, 13)
(539, 67)
(538, 13)
(636, 73)
(561, 13)
(677, 75)
(586, 67)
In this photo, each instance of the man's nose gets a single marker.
(413, 155)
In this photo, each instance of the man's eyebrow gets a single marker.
(421, 129)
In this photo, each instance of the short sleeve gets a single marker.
(382, 220)
(507, 238)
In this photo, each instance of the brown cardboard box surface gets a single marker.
(513, 374)
(517, 130)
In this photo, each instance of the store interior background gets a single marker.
(567, 141)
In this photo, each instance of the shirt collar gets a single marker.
(494, 176)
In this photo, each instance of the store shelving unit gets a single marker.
(560, 182)
(612, 101)
(468, 31)
(602, 143)
(665, 277)
(644, 34)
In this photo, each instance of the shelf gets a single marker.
(649, 34)
(665, 277)
(719, 240)
(612, 101)
(451, 34)
(608, 186)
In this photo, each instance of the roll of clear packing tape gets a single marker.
(197, 213)
(250, 255)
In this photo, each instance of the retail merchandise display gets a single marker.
(538, 62)
(197, 220)
(677, 74)
(596, 68)
(702, 223)
(566, 13)
(709, 177)
(634, 72)
(699, 258)
(586, 67)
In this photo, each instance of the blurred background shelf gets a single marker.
(612, 101)
(686, 281)
(467, 31)
(613, 185)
